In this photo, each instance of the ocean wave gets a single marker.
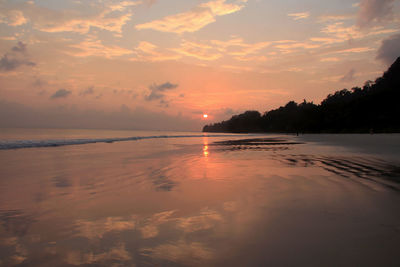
(17, 144)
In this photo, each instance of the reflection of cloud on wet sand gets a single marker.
(118, 253)
(150, 226)
(107, 236)
(19, 252)
(97, 229)
(181, 252)
(205, 220)
(16, 222)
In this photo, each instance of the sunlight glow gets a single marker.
(205, 116)
(205, 150)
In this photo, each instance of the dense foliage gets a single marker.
(374, 107)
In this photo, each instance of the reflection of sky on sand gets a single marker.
(168, 203)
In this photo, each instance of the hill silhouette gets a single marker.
(374, 107)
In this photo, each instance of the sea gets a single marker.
(73, 197)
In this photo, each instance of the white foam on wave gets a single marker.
(16, 144)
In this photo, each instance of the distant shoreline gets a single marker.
(374, 108)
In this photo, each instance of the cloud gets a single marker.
(298, 16)
(14, 18)
(237, 47)
(156, 91)
(325, 40)
(341, 32)
(338, 32)
(195, 19)
(371, 11)
(353, 50)
(349, 76)
(197, 50)
(215, 49)
(88, 15)
(290, 46)
(330, 59)
(88, 91)
(121, 6)
(91, 47)
(20, 47)
(15, 58)
(389, 50)
(149, 52)
(205, 50)
(61, 93)
(82, 25)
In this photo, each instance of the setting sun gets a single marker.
(205, 116)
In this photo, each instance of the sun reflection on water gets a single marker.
(205, 147)
(205, 150)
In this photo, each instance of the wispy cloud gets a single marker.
(157, 92)
(93, 47)
(147, 51)
(101, 15)
(13, 18)
(338, 32)
(354, 50)
(15, 58)
(330, 59)
(238, 47)
(195, 19)
(61, 93)
(298, 16)
(197, 50)
(83, 25)
(292, 46)
(325, 40)
(122, 5)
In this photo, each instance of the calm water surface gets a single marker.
(263, 200)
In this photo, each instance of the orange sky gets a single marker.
(161, 64)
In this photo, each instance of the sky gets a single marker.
(162, 64)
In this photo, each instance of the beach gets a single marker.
(200, 200)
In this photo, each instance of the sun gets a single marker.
(205, 116)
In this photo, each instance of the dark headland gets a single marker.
(373, 108)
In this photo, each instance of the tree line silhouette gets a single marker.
(373, 108)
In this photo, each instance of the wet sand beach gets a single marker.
(267, 200)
